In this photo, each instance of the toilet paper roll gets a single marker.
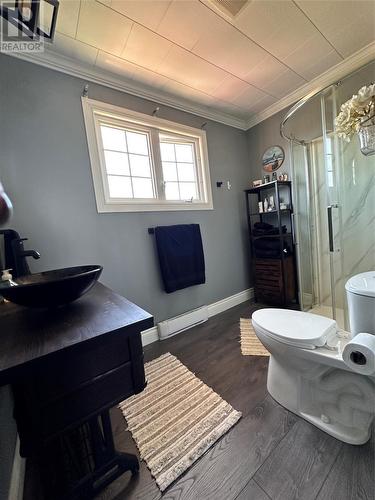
(359, 354)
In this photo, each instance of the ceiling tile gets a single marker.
(229, 49)
(283, 83)
(231, 109)
(185, 67)
(349, 25)
(185, 22)
(320, 59)
(114, 64)
(145, 47)
(265, 71)
(74, 49)
(146, 12)
(150, 78)
(249, 96)
(128, 70)
(281, 28)
(102, 27)
(67, 19)
(186, 92)
(230, 88)
(261, 104)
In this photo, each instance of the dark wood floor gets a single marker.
(269, 454)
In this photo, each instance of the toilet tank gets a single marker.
(360, 294)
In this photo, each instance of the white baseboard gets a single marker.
(18, 475)
(225, 304)
(151, 335)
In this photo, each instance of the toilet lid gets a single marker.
(295, 328)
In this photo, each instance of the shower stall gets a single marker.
(334, 193)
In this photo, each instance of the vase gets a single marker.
(366, 136)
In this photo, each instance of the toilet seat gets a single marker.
(295, 328)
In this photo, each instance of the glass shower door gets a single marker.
(350, 195)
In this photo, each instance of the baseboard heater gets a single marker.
(182, 322)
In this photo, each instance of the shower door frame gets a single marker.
(296, 231)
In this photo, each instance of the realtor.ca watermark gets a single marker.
(16, 30)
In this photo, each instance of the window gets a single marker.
(145, 163)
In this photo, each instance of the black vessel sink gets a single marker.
(52, 288)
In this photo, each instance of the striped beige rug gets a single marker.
(175, 419)
(250, 344)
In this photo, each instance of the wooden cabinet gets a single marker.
(272, 243)
(67, 367)
(65, 390)
(269, 281)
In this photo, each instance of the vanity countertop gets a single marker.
(31, 335)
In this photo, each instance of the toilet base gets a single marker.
(339, 402)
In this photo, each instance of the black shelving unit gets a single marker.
(276, 275)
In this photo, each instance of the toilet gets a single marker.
(307, 373)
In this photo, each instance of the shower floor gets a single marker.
(327, 312)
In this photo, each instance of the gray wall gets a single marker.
(45, 167)
(262, 136)
(306, 125)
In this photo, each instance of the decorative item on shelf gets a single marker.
(266, 179)
(285, 176)
(273, 158)
(271, 204)
(283, 206)
(260, 207)
(357, 116)
(274, 176)
(257, 183)
(265, 204)
(281, 177)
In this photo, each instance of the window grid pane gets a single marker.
(129, 174)
(184, 172)
(113, 138)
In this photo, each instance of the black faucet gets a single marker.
(19, 254)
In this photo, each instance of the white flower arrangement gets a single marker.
(354, 112)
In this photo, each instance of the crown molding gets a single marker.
(340, 70)
(70, 67)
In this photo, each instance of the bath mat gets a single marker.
(175, 419)
(250, 344)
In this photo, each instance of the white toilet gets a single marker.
(307, 373)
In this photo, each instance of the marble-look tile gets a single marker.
(354, 221)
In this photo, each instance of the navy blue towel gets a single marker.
(181, 258)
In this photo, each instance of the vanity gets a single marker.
(67, 367)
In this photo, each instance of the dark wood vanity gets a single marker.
(67, 367)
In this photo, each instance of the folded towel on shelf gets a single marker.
(181, 257)
(263, 228)
(270, 248)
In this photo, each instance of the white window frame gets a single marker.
(95, 111)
